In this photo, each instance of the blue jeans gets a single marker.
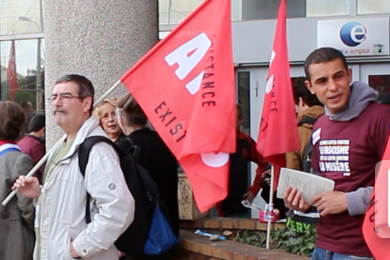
(322, 254)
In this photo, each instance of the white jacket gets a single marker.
(61, 215)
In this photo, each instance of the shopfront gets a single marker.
(363, 40)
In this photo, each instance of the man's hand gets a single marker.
(330, 202)
(73, 252)
(28, 186)
(293, 199)
(249, 196)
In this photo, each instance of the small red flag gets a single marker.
(185, 85)
(11, 72)
(278, 131)
(376, 228)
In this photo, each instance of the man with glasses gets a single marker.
(61, 229)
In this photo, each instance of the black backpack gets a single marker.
(311, 216)
(142, 187)
(306, 156)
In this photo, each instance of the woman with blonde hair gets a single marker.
(105, 113)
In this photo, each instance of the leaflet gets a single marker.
(308, 183)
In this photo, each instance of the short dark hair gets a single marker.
(86, 88)
(322, 55)
(26, 104)
(36, 123)
(132, 111)
(12, 120)
(301, 91)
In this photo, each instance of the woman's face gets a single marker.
(108, 120)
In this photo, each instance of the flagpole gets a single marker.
(34, 169)
(270, 207)
(61, 140)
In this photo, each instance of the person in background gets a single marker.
(33, 143)
(17, 217)
(155, 157)
(239, 173)
(61, 228)
(308, 109)
(348, 142)
(105, 113)
(28, 111)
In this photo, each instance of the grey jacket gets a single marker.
(17, 218)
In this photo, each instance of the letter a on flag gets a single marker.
(11, 73)
(278, 132)
(185, 85)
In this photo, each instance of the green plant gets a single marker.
(301, 243)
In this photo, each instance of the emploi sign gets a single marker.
(355, 37)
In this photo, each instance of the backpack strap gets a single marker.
(128, 146)
(307, 119)
(84, 150)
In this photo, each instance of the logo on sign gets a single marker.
(353, 33)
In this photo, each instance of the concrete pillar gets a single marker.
(96, 38)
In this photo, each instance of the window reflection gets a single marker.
(326, 8)
(373, 6)
(174, 11)
(20, 17)
(381, 83)
(29, 71)
(243, 85)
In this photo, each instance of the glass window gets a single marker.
(20, 16)
(381, 83)
(29, 69)
(327, 8)
(243, 85)
(373, 6)
(174, 11)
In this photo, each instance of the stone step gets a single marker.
(197, 247)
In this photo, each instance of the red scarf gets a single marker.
(6, 142)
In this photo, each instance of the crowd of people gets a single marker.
(46, 219)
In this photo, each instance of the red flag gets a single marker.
(278, 131)
(376, 229)
(11, 72)
(185, 85)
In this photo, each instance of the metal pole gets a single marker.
(41, 15)
(38, 76)
(271, 198)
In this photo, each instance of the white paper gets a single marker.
(308, 183)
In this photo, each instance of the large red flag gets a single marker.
(278, 131)
(11, 72)
(185, 85)
(376, 228)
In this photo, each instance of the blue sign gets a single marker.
(353, 33)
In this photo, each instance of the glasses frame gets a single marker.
(63, 97)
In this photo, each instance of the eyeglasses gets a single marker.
(63, 97)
